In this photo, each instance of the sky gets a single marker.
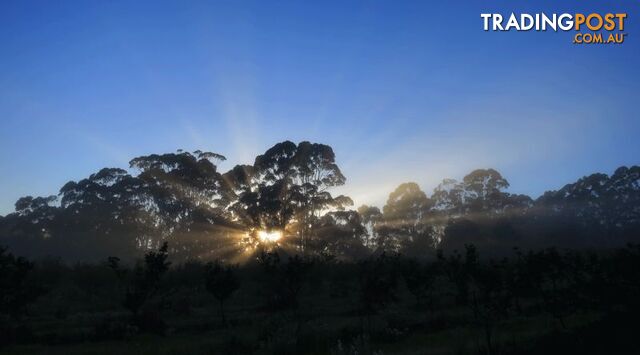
(402, 90)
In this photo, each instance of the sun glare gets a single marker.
(269, 236)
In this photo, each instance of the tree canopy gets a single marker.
(205, 214)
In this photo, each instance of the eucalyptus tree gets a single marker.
(604, 210)
(178, 196)
(405, 221)
(287, 189)
(105, 213)
(480, 192)
(476, 210)
(189, 199)
(341, 234)
(371, 218)
(29, 229)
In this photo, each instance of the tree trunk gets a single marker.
(222, 315)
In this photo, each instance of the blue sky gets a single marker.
(403, 91)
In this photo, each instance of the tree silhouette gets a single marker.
(181, 197)
(340, 234)
(405, 221)
(288, 185)
(284, 280)
(16, 292)
(143, 283)
(490, 299)
(221, 281)
(419, 279)
(378, 277)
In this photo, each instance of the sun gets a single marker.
(269, 236)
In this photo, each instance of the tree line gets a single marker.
(183, 199)
(589, 299)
